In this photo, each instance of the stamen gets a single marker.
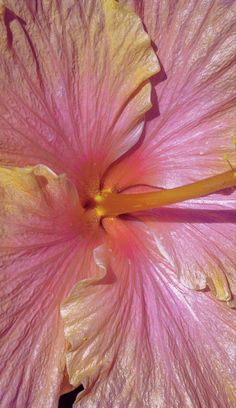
(112, 204)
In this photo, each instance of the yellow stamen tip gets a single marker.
(100, 212)
(226, 156)
(98, 198)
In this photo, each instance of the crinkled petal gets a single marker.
(198, 238)
(195, 127)
(191, 138)
(74, 84)
(40, 260)
(132, 332)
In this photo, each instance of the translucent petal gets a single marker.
(192, 137)
(41, 255)
(74, 85)
(132, 332)
(191, 129)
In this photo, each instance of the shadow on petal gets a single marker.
(188, 215)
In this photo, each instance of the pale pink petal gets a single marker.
(191, 138)
(138, 338)
(42, 251)
(198, 238)
(74, 84)
(195, 127)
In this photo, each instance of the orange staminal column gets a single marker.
(110, 204)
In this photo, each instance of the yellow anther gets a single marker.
(98, 198)
(100, 212)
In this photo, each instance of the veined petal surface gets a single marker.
(74, 84)
(40, 260)
(194, 128)
(192, 137)
(132, 332)
(198, 238)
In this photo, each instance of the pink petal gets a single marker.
(40, 260)
(132, 332)
(196, 124)
(74, 84)
(190, 138)
(198, 238)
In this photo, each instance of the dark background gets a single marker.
(67, 400)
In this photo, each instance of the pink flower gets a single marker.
(137, 307)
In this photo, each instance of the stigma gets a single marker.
(111, 204)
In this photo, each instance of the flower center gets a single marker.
(109, 204)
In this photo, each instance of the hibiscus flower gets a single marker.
(109, 277)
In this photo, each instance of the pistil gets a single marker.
(109, 204)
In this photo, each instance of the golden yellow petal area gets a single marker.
(36, 188)
(140, 60)
(219, 286)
